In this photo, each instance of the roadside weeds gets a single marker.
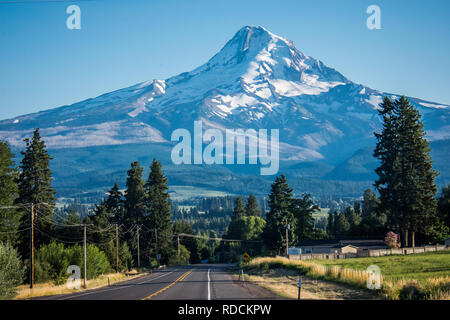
(48, 288)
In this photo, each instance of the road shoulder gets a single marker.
(285, 283)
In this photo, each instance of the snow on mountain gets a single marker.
(257, 80)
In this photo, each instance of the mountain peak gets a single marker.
(256, 38)
(260, 33)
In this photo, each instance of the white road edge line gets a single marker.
(95, 291)
(209, 284)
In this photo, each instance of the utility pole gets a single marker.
(138, 254)
(178, 244)
(117, 248)
(32, 248)
(84, 255)
(287, 240)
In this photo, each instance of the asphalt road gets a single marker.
(197, 282)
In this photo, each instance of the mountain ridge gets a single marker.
(257, 80)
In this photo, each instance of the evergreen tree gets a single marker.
(135, 195)
(370, 203)
(357, 208)
(252, 208)
(303, 209)
(406, 178)
(134, 204)
(114, 205)
(9, 218)
(352, 218)
(34, 184)
(73, 230)
(279, 216)
(330, 224)
(102, 233)
(239, 209)
(443, 206)
(341, 225)
(159, 212)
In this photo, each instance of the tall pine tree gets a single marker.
(159, 213)
(406, 179)
(134, 205)
(35, 186)
(239, 209)
(9, 218)
(330, 224)
(303, 209)
(252, 208)
(369, 204)
(114, 205)
(279, 216)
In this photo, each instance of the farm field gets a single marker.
(419, 267)
(323, 213)
(417, 276)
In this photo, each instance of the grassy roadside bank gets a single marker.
(431, 288)
(48, 288)
(284, 283)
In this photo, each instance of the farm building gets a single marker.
(336, 246)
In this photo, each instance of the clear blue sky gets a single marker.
(122, 42)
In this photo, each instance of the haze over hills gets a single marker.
(257, 80)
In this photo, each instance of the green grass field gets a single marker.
(323, 213)
(415, 266)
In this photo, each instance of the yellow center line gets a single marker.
(181, 278)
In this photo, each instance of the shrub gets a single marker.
(54, 259)
(391, 240)
(125, 257)
(411, 291)
(181, 259)
(264, 266)
(11, 271)
(96, 260)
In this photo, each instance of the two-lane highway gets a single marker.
(199, 282)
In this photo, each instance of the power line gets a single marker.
(40, 1)
(59, 224)
(16, 206)
(17, 231)
(54, 238)
(210, 238)
(109, 228)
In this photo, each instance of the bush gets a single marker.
(125, 257)
(96, 260)
(54, 259)
(264, 266)
(11, 271)
(181, 259)
(411, 291)
(391, 240)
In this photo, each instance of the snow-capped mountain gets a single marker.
(257, 80)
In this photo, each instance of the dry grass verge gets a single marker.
(47, 289)
(432, 289)
(284, 282)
